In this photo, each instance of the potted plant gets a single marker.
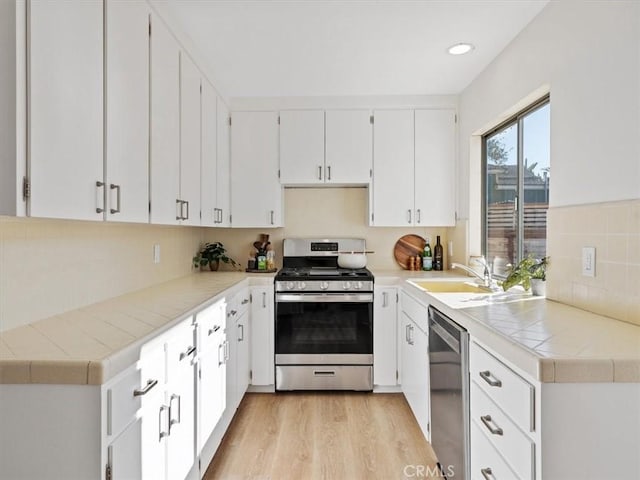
(530, 273)
(212, 254)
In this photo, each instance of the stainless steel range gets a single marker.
(323, 318)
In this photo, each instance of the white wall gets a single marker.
(587, 54)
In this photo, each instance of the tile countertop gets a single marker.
(92, 344)
(546, 340)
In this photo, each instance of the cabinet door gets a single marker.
(232, 365)
(125, 454)
(244, 361)
(165, 125)
(66, 109)
(393, 175)
(223, 186)
(256, 194)
(153, 413)
(262, 326)
(180, 397)
(189, 140)
(435, 167)
(348, 147)
(127, 110)
(302, 147)
(212, 369)
(208, 165)
(415, 372)
(384, 336)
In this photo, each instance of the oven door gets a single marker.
(329, 329)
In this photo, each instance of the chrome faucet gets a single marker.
(487, 279)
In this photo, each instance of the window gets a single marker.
(516, 164)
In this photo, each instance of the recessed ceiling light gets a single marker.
(460, 48)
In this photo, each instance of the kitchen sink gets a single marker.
(435, 286)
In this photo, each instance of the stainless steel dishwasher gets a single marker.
(449, 385)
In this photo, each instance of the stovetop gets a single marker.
(323, 273)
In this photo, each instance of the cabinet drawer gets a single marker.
(415, 310)
(239, 304)
(181, 349)
(486, 462)
(122, 404)
(517, 449)
(211, 324)
(507, 389)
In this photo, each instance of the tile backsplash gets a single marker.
(51, 266)
(614, 230)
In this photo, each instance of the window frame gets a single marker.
(516, 119)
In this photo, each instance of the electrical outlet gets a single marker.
(588, 261)
(156, 253)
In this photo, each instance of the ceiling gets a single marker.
(331, 48)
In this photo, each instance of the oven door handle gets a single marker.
(325, 298)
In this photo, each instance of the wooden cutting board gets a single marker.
(408, 246)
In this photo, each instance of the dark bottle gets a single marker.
(437, 255)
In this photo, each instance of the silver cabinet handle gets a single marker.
(418, 216)
(264, 299)
(213, 330)
(245, 301)
(494, 429)
(410, 334)
(406, 333)
(226, 351)
(146, 389)
(272, 221)
(486, 376)
(173, 421)
(409, 216)
(178, 207)
(329, 172)
(115, 187)
(241, 328)
(231, 313)
(187, 353)
(324, 373)
(319, 172)
(487, 473)
(162, 433)
(385, 300)
(187, 217)
(99, 200)
(220, 213)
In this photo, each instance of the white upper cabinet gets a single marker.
(189, 141)
(223, 189)
(65, 91)
(127, 110)
(414, 168)
(392, 191)
(302, 147)
(348, 157)
(165, 125)
(435, 167)
(256, 194)
(208, 166)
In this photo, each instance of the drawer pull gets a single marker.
(147, 388)
(487, 473)
(213, 330)
(494, 429)
(486, 376)
(324, 373)
(245, 301)
(162, 433)
(190, 351)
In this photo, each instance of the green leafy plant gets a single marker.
(212, 254)
(529, 268)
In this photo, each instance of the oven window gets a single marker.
(322, 328)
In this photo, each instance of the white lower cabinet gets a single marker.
(238, 364)
(262, 341)
(212, 368)
(385, 346)
(414, 376)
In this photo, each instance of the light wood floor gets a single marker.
(333, 436)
